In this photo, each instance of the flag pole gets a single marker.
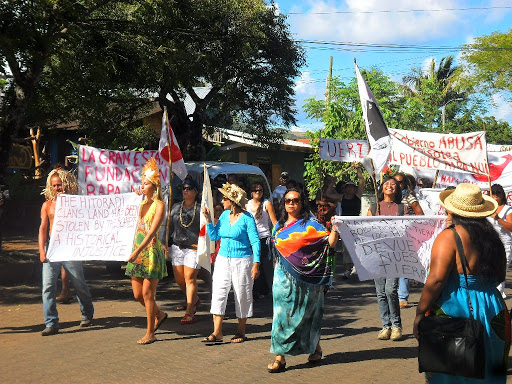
(435, 179)
(169, 199)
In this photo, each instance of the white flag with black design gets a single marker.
(376, 129)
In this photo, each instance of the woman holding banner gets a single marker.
(503, 225)
(185, 219)
(237, 263)
(302, 274)
(446, 290)
(390, 196)
(146, 264)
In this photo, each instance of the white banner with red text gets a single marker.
(94, 227)
(390, 246)
(444, 152)
(343, 150)
(107, 171)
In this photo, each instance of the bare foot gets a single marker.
(159, 319)
(147, 339)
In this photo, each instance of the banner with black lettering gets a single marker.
(94, 227)
(390, 246)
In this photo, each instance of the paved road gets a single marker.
(107, 352)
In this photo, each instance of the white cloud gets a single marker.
(497, 15)
(306, 84)
(379, 26)
(501, 108)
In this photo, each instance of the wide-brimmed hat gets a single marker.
(467, 200)
(234, 193)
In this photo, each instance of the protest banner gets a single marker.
(343, 150)
(444, 152)
(107, 172)
(390, 246)
(428, 199)
(94, 227)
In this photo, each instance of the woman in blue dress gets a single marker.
(446, 292)
(302, 273)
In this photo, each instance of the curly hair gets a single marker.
(69, 183)
(304, 214)
(491, 253)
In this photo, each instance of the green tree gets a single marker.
(343, 119)
(486, 63)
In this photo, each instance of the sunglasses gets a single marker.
(420, 185)
(257, 190)
(188, 188)
(293, 201)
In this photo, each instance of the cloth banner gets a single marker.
(107, 172)
(376, 129)
(428, 199)
(343, 150)
(94, 227)
(178, 164)
(390, 246)
(205, 247)
(461, 153)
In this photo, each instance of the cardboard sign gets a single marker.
(390, 246)
(444, 152)
(343, 150)
(107, 172)
(94, 227)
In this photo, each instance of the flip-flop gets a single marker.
(211, 340)
(161, 322)
(238, 336)
(146, 342)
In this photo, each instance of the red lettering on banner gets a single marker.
(340, 148)
(102, 158)
(90, 189)
(126, 157)
(136, 159)
(320, 146)
(87, 172)
(478, 142)
(329, 150)
(360, 145)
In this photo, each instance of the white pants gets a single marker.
(237, 272)
(186, 256)
(501, 286)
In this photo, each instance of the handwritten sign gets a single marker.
(106, 172)
(343, 150)
(462, 152)
(390, 246)
(94, 227)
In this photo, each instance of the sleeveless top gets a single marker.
(263, 223)
(505, 234)
(351, 207)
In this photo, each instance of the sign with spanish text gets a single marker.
(343, 150)
(390, 246)
(444, 152)
(107, 172)
(94, 227)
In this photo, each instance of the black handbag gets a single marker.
(453, 345)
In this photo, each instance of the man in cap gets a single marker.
(279, 191)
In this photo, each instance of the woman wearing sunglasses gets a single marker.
(237, 263)
(184, 234)
(302, 273)
(263, 213)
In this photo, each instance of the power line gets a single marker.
(397, 11)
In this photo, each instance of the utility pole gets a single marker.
(328, 85)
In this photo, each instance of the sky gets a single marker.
(431, 29)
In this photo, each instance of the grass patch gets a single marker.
(13, 257)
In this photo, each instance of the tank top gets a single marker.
(351, 207)
(505, 234)
(263, 223)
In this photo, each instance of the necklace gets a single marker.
(193, 215)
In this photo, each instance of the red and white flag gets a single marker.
(178, 165)
(376, 129)
(204, 246)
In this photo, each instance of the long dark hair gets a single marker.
(398, 192)
(304, 212)
(497, 189)
(492, 260)
(259, 211)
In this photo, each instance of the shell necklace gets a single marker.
(193, 215)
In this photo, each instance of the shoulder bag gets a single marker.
(453, 345)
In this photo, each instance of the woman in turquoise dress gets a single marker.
(302, 273)
(146, 264)
(446, 292)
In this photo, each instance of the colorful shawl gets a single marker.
(304, 251)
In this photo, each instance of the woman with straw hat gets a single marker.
(237, 263)
(446, 289)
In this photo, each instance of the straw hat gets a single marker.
(467, 200)
(234, 193)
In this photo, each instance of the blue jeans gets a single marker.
(387, 298)
(403, 289)
(76, 275)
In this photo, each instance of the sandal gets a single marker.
(188, 319)
(315, 357)
(281, 366)
(239, 337)
(212, 339)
